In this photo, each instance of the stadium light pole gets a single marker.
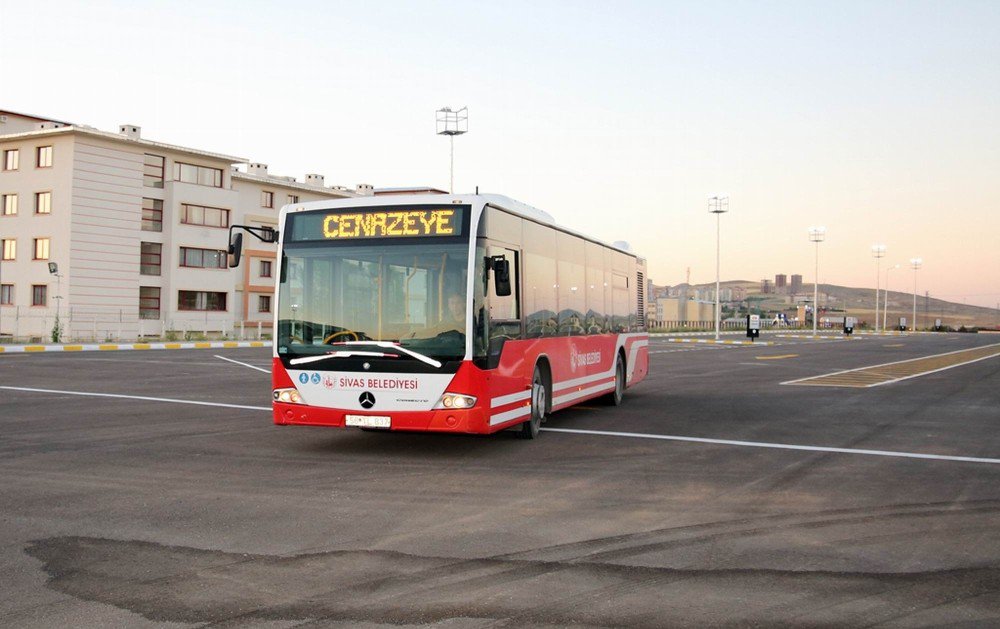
(915, 263)
(816, 235)
(885, 299)
(878, 252)
(452, 123)
(718, 205)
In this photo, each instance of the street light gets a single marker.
(452, 123)
(817, 235)
(885, 304)
(718, 205)
(878, 252)
(54, 270)
(915, 263)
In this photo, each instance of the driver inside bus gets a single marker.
(453, 319)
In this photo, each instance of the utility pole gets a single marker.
(717, 205)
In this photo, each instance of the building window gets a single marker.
(9, 204)
(201, 175)
(150, 258)
(200, 300)
(263, 303)
(39, 295)
(149, 302)
(293, 198)
(6, 294)
(43, 157)
(11, 159)
(43, 203)
(203, 258)
(41, 249)
(267, 199)
(265, 268)
(207, 216)
(9, 249)
(152, 171)
(152, 215)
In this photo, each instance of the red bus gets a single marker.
(453, 313)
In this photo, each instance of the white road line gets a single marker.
(599, 433)
(230, 360)
(138, 397)
(908, 360)
(779, 446)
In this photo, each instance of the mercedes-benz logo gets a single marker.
(367, 399)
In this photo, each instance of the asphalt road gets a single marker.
(117, 511)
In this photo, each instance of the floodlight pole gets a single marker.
(878, 252)
(451, 123)
(916, 263)
(718, 205)
(816, 235)
(885, 299)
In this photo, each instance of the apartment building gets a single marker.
(137, 229)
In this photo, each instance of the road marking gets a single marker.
(138, 397)
(895, 345)
(778, 357)
(778, 446)
(107, 347)
(889, 373)
(599, 433)
(230, 360)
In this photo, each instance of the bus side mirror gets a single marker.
(235, 249)
(501, 276)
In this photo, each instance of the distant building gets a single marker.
(780, 283)
(766, 287)
(796, 285)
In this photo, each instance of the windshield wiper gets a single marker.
(384, 344)
(339, 354)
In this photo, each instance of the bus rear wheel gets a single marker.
(539, 402)
(615, 397)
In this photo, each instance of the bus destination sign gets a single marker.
(393, 224)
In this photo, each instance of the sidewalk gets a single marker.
(105, 347)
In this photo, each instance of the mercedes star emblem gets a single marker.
(367, 399)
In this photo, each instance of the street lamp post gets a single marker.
(915, 263)
(878, 252)
(816, 235)
(452, 123)
(717, 205)
(885, 299)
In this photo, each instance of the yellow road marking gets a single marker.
(34, 348)
(895, 345)
(887, 373)
(778, 357)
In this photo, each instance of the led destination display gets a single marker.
(378, 223)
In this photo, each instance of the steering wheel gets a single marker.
(450, 334)
(329, 339)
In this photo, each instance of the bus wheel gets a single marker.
(615, 397)
(539, 402)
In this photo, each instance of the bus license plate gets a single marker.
(369, 421)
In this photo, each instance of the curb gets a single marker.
(719, 342)
(106, 347)
(818, 337)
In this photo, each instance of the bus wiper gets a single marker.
(399, 348)
(338, 354)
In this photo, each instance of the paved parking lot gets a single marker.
(732, 499)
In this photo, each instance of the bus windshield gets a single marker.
(334, 296)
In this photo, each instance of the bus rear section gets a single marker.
(449, 313)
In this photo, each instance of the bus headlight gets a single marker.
(287, 396)
(455, 400)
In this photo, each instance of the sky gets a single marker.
(877, 120)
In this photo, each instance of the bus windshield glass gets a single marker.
(343, 296)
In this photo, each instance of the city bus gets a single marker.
(451, 313)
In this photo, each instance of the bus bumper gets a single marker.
(473, 420)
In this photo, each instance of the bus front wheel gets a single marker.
(615, 397)
(539, 402)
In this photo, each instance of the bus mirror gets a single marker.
(235, 249)
(501, 277)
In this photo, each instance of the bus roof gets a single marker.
(498, 200)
